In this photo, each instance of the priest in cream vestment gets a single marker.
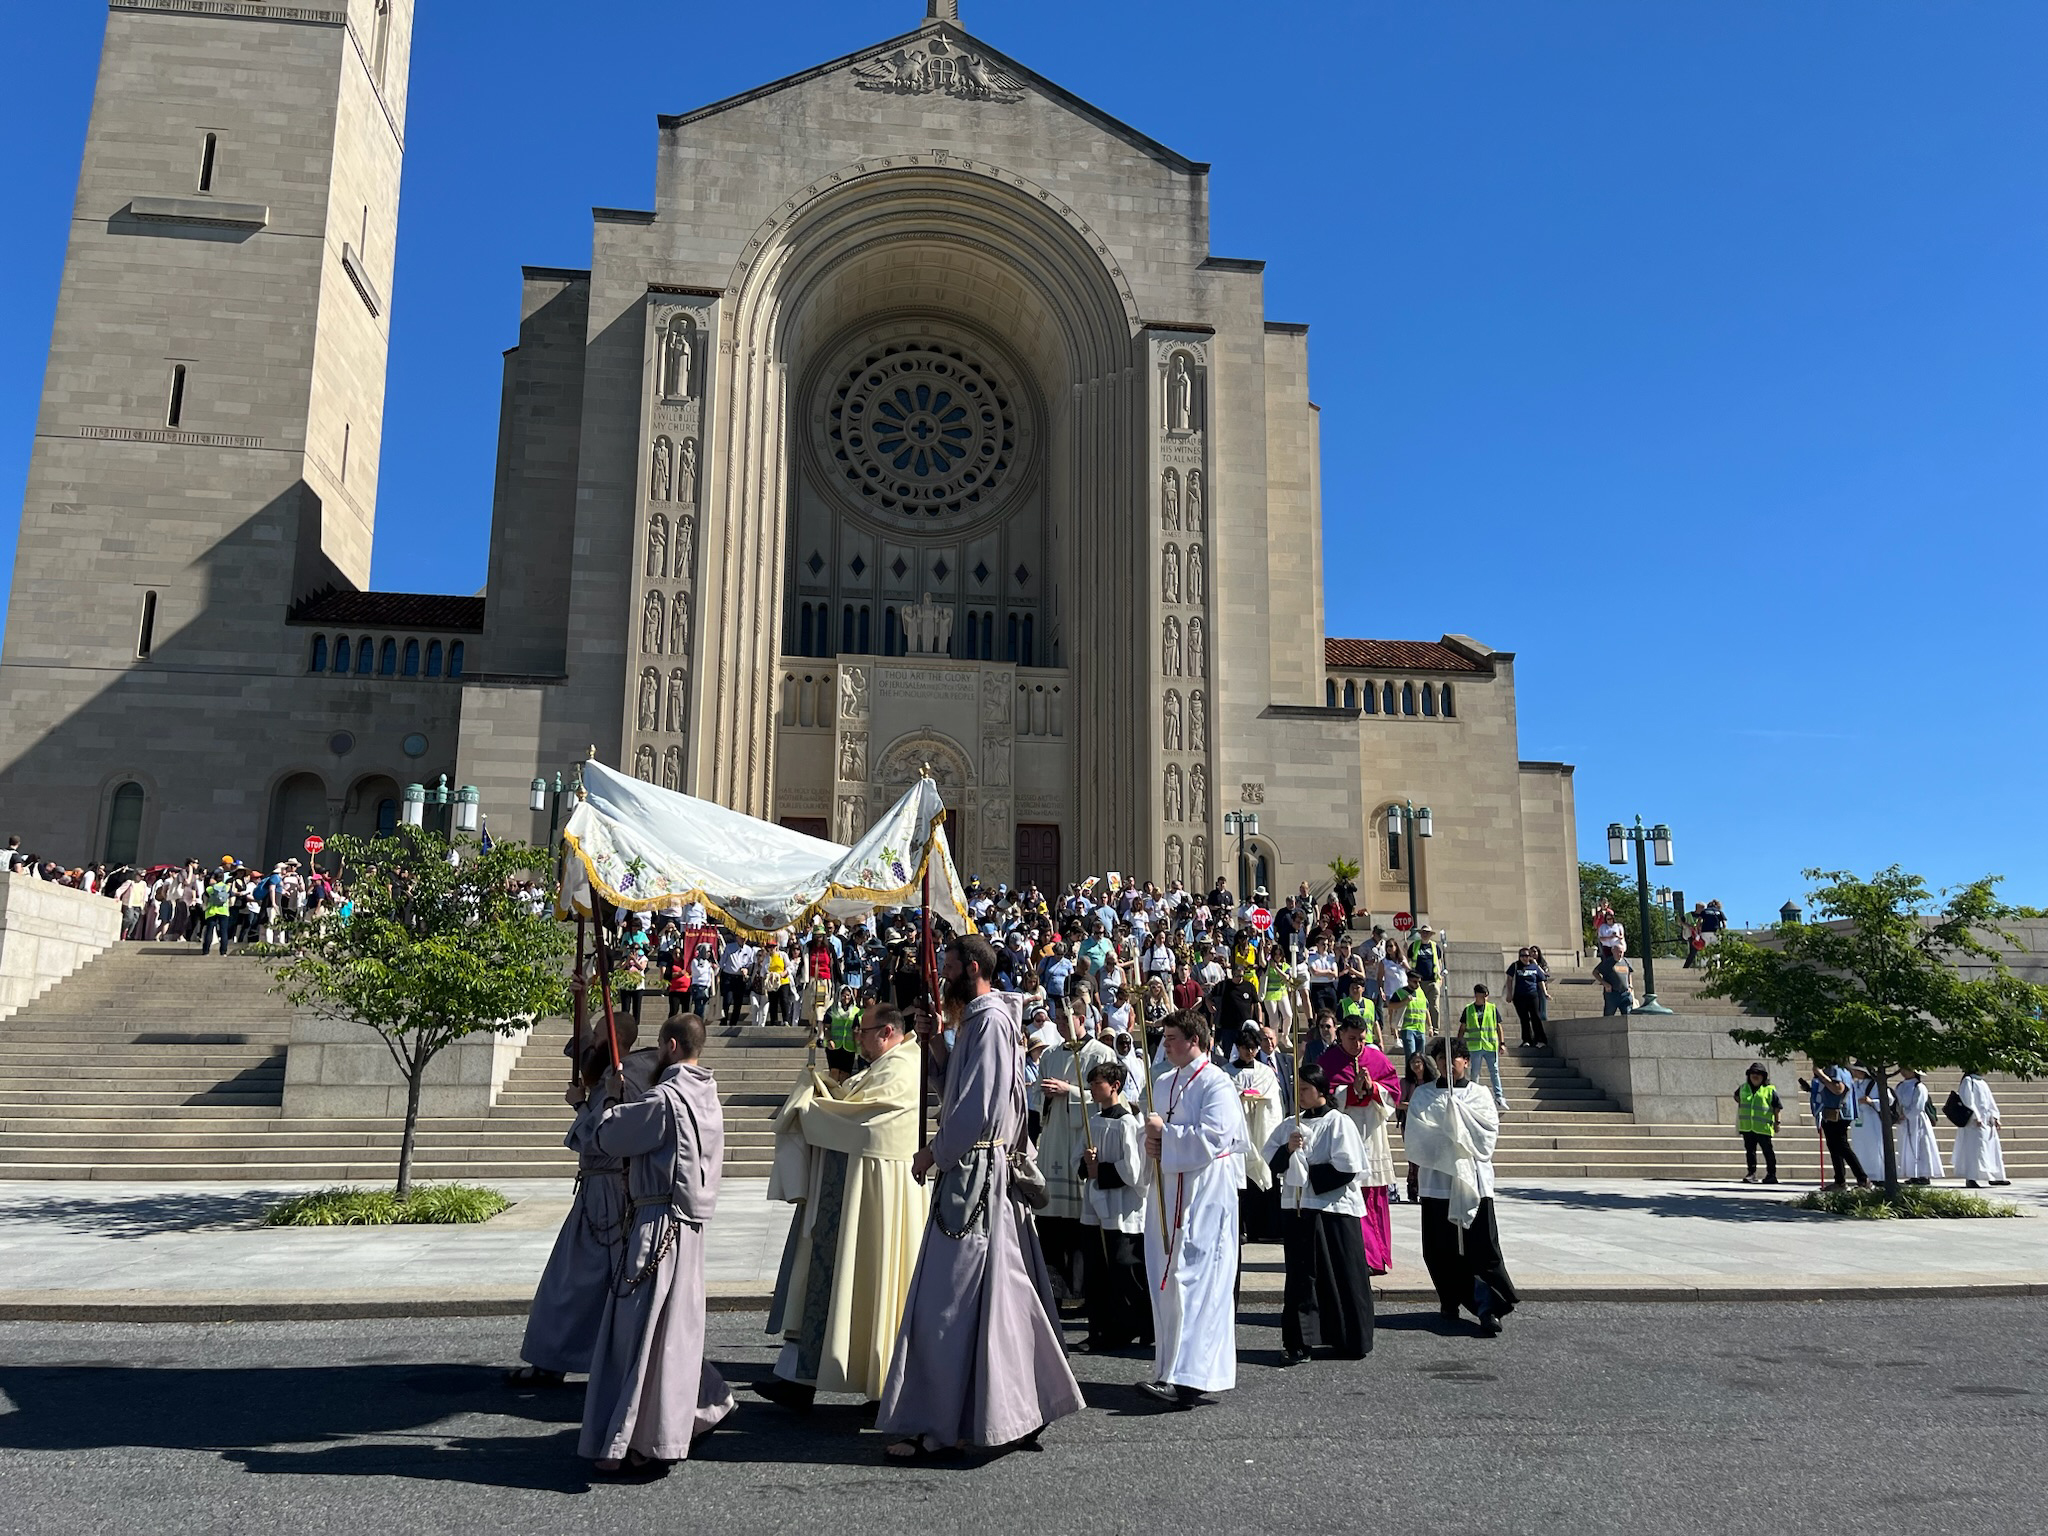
(843, 1151)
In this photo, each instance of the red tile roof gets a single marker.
(392, 610)
(1397, 656)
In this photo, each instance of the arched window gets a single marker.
(341, 653)
(1010, 638)
(1025, 659)
(366, 656)
(455, 659)
(803, 641)
(387, 816)
(1369, 697)
(846, 628)
(1387, 699)
(319, 661)
(433, 658)
(1429, 700)
(1407, 698)
(865, 613)
(387, 658)
(891, 633)
(124, 824)
(1393, 842)
(1330, 692)
(411, 665)
(1450, 704)
(1350, 694)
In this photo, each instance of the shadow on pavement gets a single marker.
(1729, 1208)
(132, 1216)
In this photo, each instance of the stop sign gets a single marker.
(315, 844)
(1261, 919)
(1403, 921)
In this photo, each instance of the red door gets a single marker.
(1038, 856)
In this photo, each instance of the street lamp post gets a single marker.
(1650, 842)
(464, 806)
(1406, 817)
(1244, 824)
(542, 798)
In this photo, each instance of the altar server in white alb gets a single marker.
(1919, 1153)
(1195, 1140)
(1980, 1155)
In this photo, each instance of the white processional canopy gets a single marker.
(650, 849)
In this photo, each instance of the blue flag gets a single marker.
(484, 844)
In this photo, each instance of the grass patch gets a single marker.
(428, 1203)
(1915, 1201)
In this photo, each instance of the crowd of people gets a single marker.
(1132, 1082)
(1850, 1106)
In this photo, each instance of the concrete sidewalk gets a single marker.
(160, 1252)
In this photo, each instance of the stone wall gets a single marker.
(47, 932)
(340, 1071)
(1675, 1069)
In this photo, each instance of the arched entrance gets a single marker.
(372, 807)
(298, 808)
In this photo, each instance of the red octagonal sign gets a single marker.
(1403, 921)
(315, 844)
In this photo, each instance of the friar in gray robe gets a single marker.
(979, 1359)
(652, 1391)
(575, 1288)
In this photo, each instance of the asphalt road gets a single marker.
(1585, 1417)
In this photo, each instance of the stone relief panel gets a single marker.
(686, 472)
(1170, 794)
(995, 763)
(650, 700)
(852, 822)
(1198, 591)
(1184, 392)
(1198, 722)
(643, 765)
(1170, 733)
(853, 693)
(1196, 515)
(679, 350)
(1198, 658)
(1198, 864)
(1169, 500)
(653, 623)
(1169, 574)
(1169, 645)
(658, 477)
(1176, 860)
(853, 756)
(672, 768)
(995, 698)
(679, 626)
(686, 545)
(1253, 792)
(678, 702)
(940, 67)
(995, 832)
(1198, 793)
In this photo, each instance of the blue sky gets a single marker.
(1697, 352)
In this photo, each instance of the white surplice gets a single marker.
(1979, 1155)
(1919, 1152)
(1191, 1239)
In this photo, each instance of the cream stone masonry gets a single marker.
(47, 932)
(916, 423)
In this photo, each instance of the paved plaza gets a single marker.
(191, 1251)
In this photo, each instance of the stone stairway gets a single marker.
(153, 1063)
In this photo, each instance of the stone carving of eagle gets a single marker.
(942, 67)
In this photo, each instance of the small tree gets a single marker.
(1342, 868)
(1877, 979)
(1600, 884)
(432, 951)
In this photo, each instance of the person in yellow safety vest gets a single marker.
(1757, 1108)
(1273, 994)
(1479, 1028)
(841, 1041)
(1247, 959)
(1414, 1019)
(1356, 1005)
(215, 903)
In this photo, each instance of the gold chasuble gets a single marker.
(844, 1150)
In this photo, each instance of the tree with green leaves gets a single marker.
(1877, 978)
(1599, 883)
(438, 945)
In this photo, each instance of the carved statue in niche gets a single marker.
(1180, 396)
(1198, 793)
(1176, 861)
(672, 768)
(927, 627)
(853, 757)
(995, 763)
(686, 543)
(1198, 580)
(1169, 646)
(1169, 500)
(1171, 736)
(1198, 646)
(686, 473)
(643, 765)
(1195, 512)
(658, 477)
(853, 693)
(652, 618)
(678, 702)
(995, 828)
(995, 699)
(1169, 574)
(1170, 797)
(650, 700)
(657, 547)
(678, 354)
(679, 626)
(1198, 722)
(853, 817)
(1198, 864)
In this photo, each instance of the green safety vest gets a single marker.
(1753, 1108)
(1417, 1015)
(216, 900)
(839, 1025)
(1357, 1008)
(1276, 981)
(1481, 1027)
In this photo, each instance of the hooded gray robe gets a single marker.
(651, 1389)
(979, 1360)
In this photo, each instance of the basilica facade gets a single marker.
(916, 426)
